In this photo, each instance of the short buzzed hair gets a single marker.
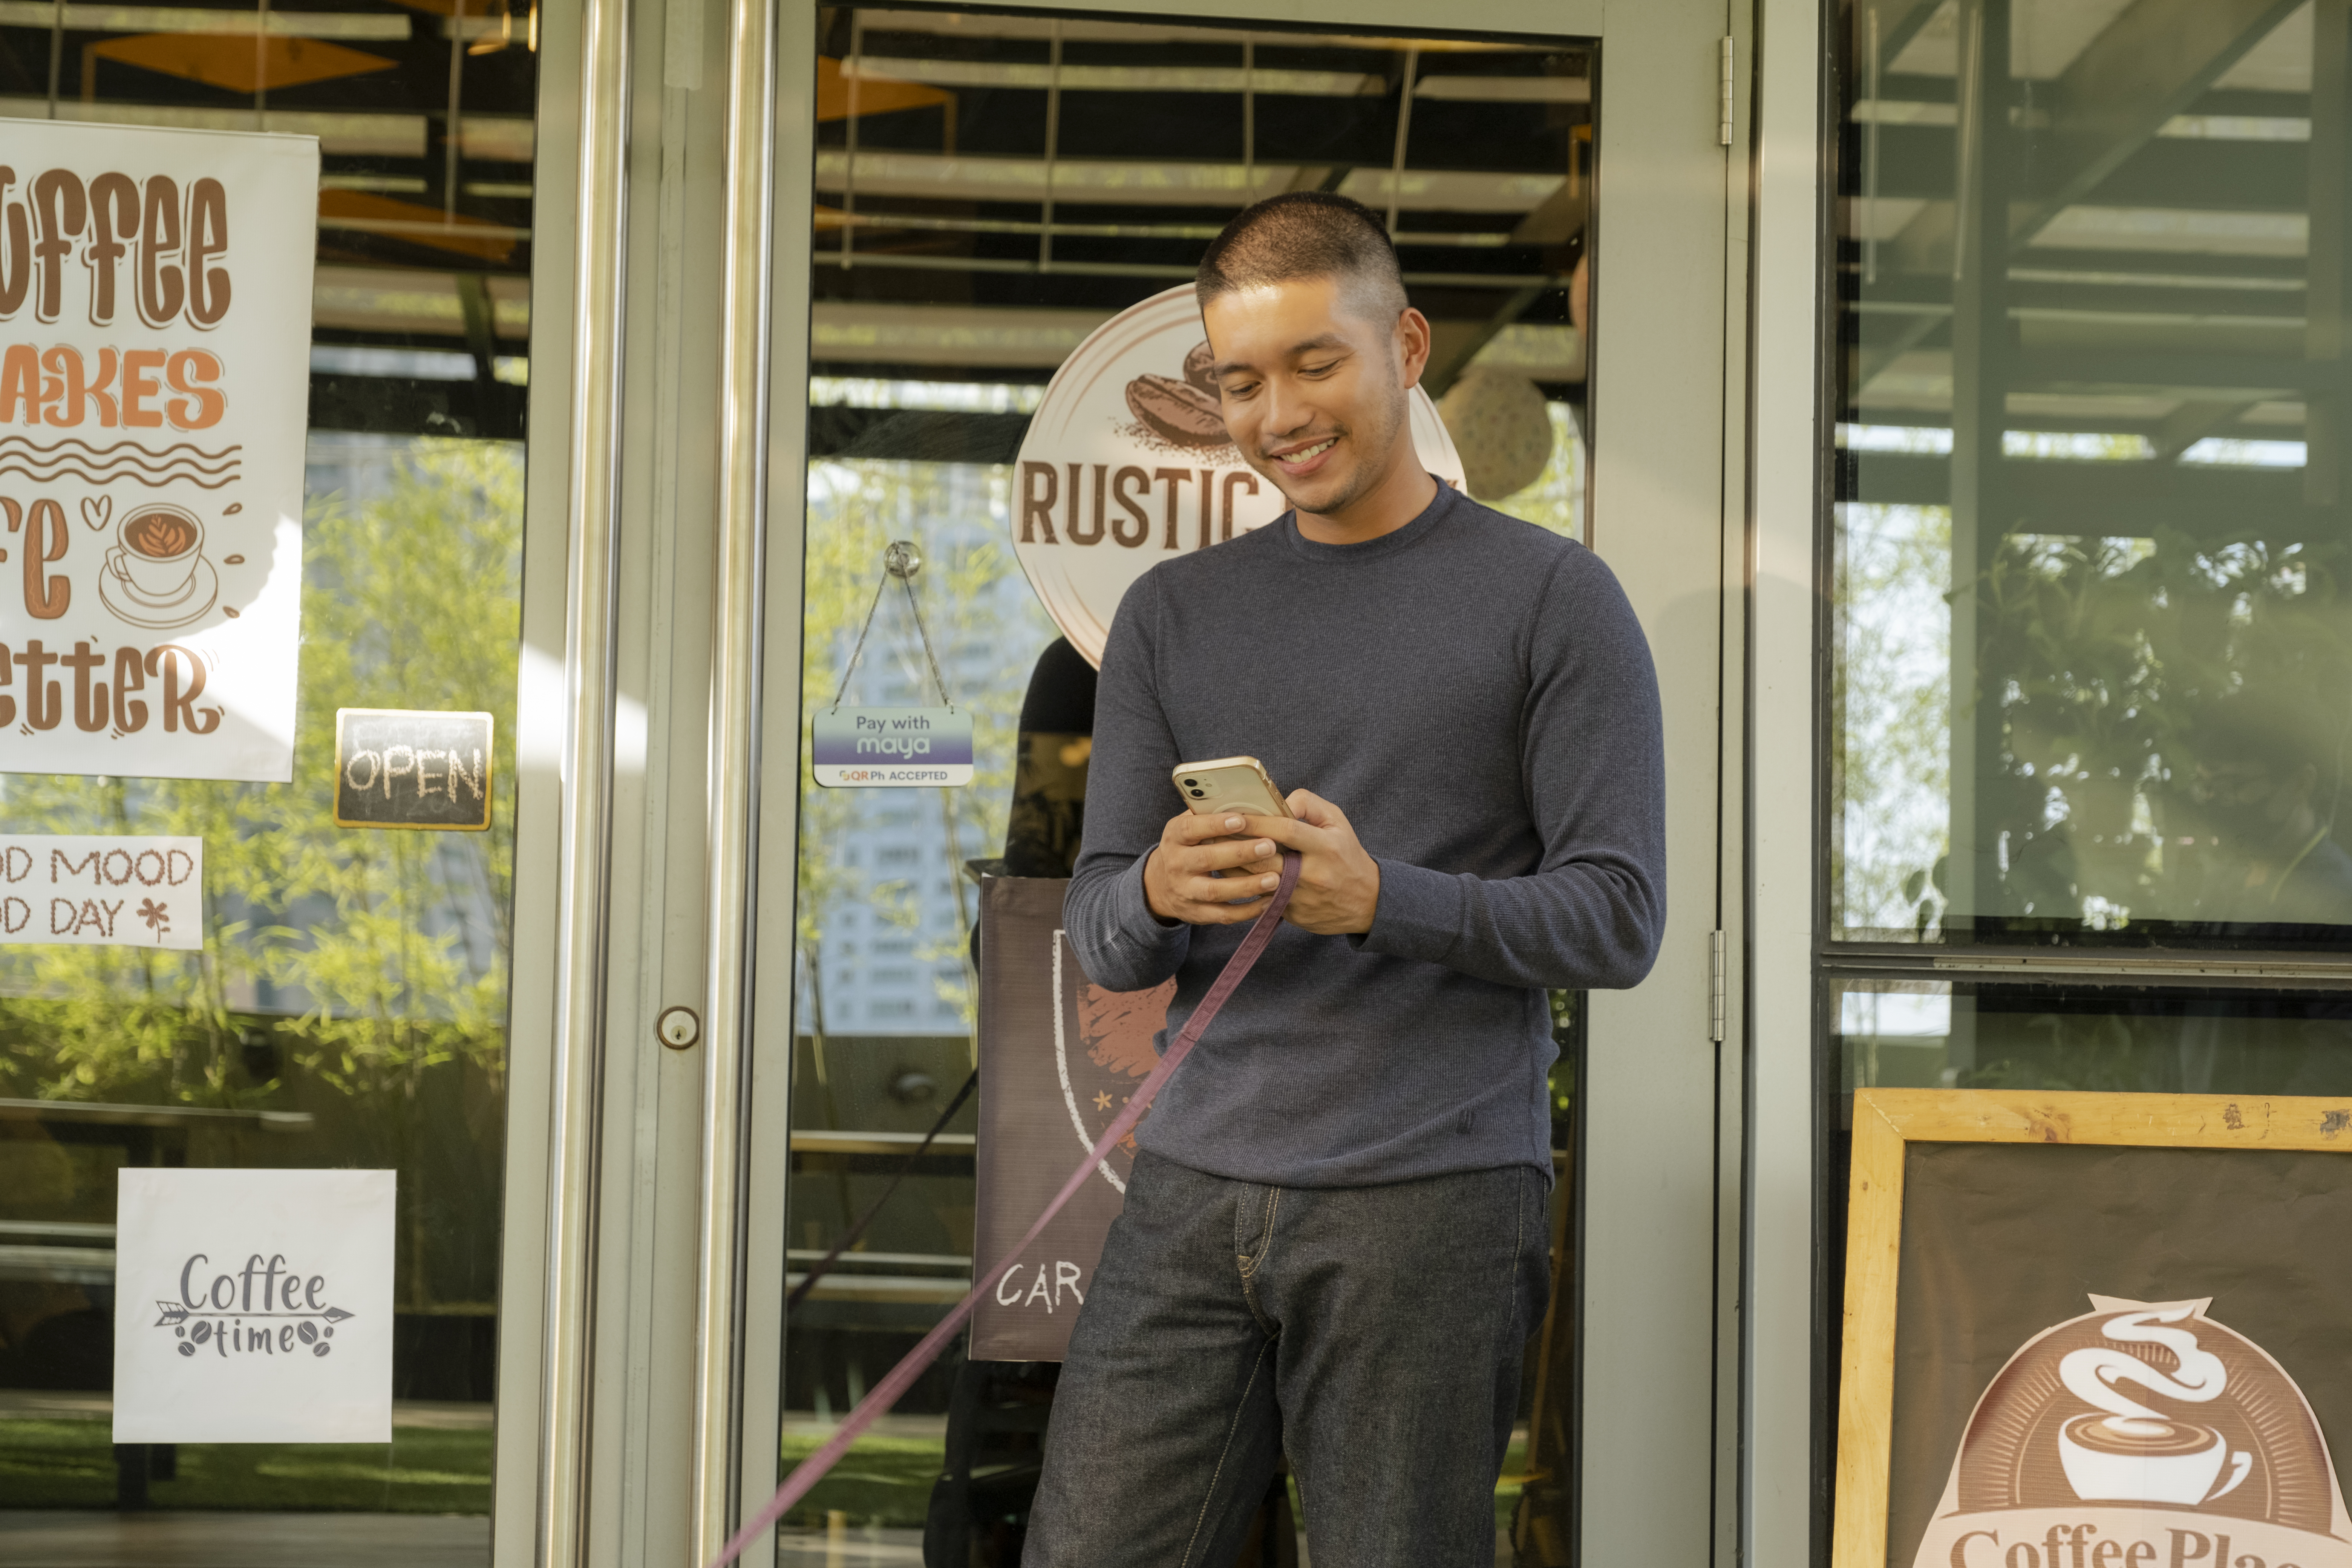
(1307, 234)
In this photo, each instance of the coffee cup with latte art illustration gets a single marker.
(160, 548)
(2119, 1458)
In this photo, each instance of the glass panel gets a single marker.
(946, 292)
(1978, 1035)
(1912, 1034)
(2091, 640)
(349, 1008)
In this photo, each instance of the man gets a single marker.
(1335, 1239)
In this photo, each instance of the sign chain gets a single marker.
(901, 561)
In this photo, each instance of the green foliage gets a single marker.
(394, 945)
(1890, 700)
(855, 510)
(2105, 658)
(409, 601)
(62, 1462)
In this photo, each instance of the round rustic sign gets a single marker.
(1127, 462)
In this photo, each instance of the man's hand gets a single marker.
(1339, 884)
(1178, 880)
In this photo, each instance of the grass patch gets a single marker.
(888, 1482)
(881, 1481)
(62, 1462)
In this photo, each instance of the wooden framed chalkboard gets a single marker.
(2095, 1330)
(408, 768)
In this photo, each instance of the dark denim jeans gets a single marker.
(1372, 1333)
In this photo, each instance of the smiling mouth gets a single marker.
(1306, 455)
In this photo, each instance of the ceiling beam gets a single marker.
(2149, 64)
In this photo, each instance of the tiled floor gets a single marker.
(43, 1539)
(904, 1548)
(62, 1540)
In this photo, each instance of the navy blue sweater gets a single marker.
(1476, 695)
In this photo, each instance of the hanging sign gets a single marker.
(1058, 1057)
(102, 889)
(253, 1306)
(155, 382)
(1126, 461)
(866, 748)
(403, 768)
(887, 748)
(2095, 1327)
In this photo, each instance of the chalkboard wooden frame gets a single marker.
(1885, 1120)
(488, 769)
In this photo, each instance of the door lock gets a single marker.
(679, 1028)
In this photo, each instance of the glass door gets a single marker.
(345, 1004)
(983, 191)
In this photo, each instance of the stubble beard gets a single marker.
(1372, 453)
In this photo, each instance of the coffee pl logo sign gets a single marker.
(1127, 462)
(155, 382)
(253, 1306)
(2141, 1435)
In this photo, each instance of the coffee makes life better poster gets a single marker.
(154, 375)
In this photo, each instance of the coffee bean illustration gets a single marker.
(1177, 410)
(1196, 368)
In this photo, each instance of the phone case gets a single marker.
(1229, 784)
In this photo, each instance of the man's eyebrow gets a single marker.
(1310, 345)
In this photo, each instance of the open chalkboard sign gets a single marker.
(400, 768)
(2095, 1330)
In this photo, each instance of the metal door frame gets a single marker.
(1662, 1133)
(645, 1240)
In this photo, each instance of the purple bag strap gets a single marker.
(887, 1393)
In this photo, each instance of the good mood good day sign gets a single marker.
(253, 1306)
(154, 375)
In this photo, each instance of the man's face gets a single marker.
(1313, 393)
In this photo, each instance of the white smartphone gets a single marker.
(1229, 784)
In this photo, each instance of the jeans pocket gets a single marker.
(1253, 1207)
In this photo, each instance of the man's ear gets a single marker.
(1412, 345)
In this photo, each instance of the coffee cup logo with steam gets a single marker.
(156, 576)
(2124, 1449)
(2141, 1422)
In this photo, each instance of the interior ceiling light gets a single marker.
(87, 18)
(418, 225)
(240, 64)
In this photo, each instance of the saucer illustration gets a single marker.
(129, 604)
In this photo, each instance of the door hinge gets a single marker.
(1717, 986)
(1723, 112)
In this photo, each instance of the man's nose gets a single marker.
(1287, 412)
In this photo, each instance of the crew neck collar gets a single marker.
(1404, 538)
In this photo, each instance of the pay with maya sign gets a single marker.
(154, 374)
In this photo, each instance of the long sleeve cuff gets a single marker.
(1136, 924)
(1419, 915)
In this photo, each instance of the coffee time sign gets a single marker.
(154, 339)
(253, 1306)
